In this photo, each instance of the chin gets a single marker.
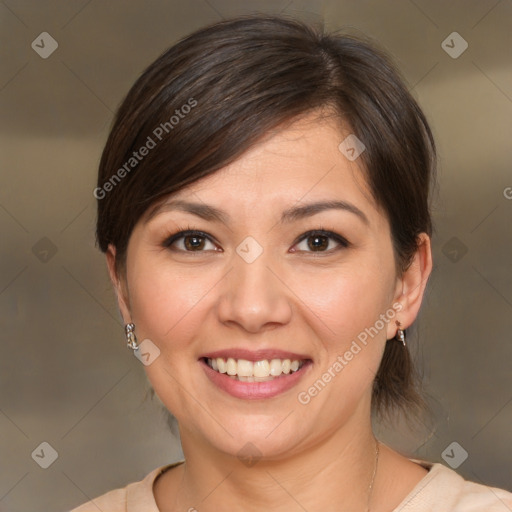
(258, 435)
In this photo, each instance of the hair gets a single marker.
(214, 94)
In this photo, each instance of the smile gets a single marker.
(254, 371)
(255, 375)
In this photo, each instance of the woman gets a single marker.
(263, 203)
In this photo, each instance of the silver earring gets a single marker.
(400, 333)
(131, 339)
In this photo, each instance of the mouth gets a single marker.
(255, 375)
(263, 370)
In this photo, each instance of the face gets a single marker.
(296, 301)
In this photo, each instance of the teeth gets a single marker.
(245, 368)
(257, 371)
(261, 368)
(231, 366)
(221, 365)
(276, 367)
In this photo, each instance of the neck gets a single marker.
(338, 469)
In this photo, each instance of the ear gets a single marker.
(411, 286)
(119, 284)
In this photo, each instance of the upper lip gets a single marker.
(255, 355)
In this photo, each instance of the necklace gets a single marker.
(370, 489)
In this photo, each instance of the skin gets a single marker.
(293, 297)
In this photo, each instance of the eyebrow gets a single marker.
(211, 213)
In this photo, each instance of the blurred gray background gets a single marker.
(66, 376)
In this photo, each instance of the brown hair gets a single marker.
(211, 96)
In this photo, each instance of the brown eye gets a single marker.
(320, 241)
(192, 243)
(189, 241)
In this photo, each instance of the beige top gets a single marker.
(441, 490)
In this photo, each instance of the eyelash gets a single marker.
(189, 231)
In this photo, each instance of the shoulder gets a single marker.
(136, 496)
(477, 497)
(114, 501)
(444, 489)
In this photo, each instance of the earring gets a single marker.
(130, 336)
(400, 333)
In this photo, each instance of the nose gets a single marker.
(254, 296)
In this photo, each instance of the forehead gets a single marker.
(292, 166)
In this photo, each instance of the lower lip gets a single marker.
(255, 390)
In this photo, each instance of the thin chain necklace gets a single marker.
(370, 489)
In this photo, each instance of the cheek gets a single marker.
(346, 300)
(168, 308)
(164, 301)
(348, 306)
